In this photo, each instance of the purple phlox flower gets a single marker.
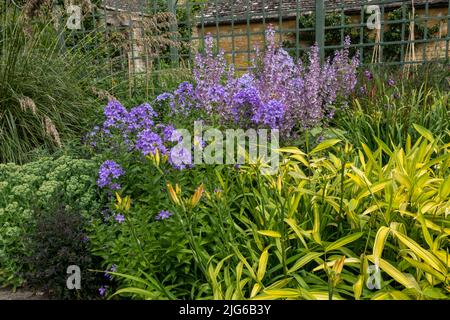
(115, 186)
(245, 98)
(167, 132)
(119, 218)
(115, 115)
(109, 170)
(102, 290)
(141, 117)
(90, 137)
(181, 101)
(94, 132)
(163, 214)
(185, 89)
(391, 82)
(180, 158)
(270, 114)
(184, 98)
(164, 96)
(175, 136)
(216, 93)
(148, 142)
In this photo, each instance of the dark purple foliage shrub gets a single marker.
(58, 241)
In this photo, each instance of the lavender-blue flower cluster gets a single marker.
(277, 93)
(136, 129)
(108, 174)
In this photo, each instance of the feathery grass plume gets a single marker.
(26, 103)
(51, 130)
(159, 33)
(103, 94)
(31, 10)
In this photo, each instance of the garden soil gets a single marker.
(21, 294)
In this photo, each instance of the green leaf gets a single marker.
(434, 293)
(262, 264)
(402, 278)
(343, 241)
(270, 233)
(424, 132)
(292, 150)
(140, 292)
(325, 145)
(305, 260)
(283, 293)
(427, 257)
(316, 226)
(380, 240)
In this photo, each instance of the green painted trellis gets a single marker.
(321, 10)
(195, 18)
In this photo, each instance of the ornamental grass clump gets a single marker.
(44, 103)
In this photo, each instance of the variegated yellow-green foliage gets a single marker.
(335, 223)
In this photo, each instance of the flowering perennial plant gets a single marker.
(136, 130)
(108, 173)
(277, 93)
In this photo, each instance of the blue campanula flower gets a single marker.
(163, 214)
(120, 218)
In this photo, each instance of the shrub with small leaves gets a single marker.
(58, 241)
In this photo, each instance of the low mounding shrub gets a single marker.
(58, 241)
(33, 187)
